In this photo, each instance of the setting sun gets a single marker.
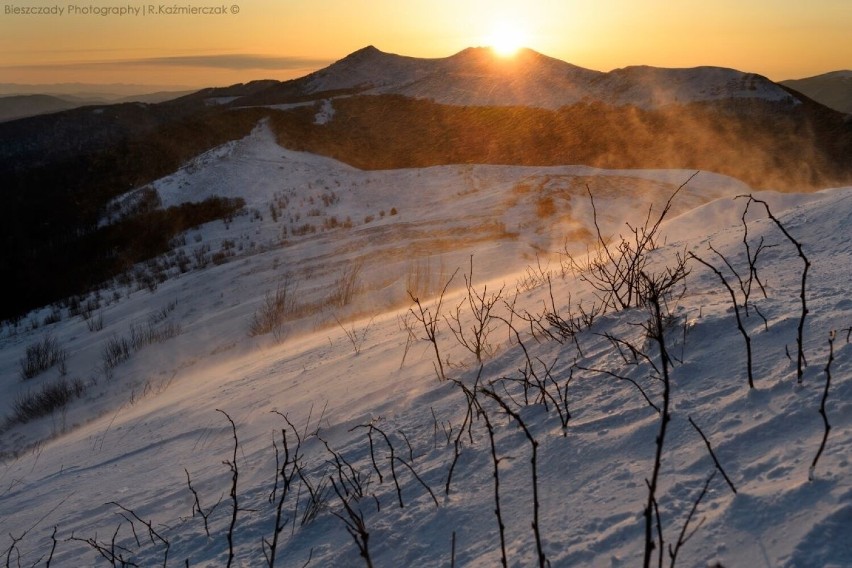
(506, 39)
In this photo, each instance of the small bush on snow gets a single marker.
(42, 356)
(52, 396)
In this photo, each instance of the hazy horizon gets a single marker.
(236, 43)
(119, 89)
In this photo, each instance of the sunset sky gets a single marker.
(281, 39)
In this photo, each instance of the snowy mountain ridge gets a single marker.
(478, 77)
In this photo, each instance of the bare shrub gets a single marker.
(655, 292)
(87, 310)
(534, 276)
(421, 280)
(356, 337)
(534, 443)
(481, 305)
(613, 269)
(199, 254)
(302, 230)
(95, 323)
(274, 310)
(801, 362)
(151, 332)
(55, 316)
(50, 397)
(116, 351)
(156, 329)
(330, 223)
(429, 318)
(41, 356)
(347, 285)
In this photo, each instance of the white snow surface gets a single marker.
(326, 112)
(478, 77)
(132, 438)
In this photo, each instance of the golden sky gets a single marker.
(281, 39)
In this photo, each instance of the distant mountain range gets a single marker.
(14, 106)
(472, 77)
(834, 89)
(375, 110)
(21, 106)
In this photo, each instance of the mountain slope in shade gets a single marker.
(834, 89)
(13, 107)
(763, 143)
(478, 77)
(19, 106)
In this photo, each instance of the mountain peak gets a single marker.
(480, 76)
(489, 53)
(368, 51)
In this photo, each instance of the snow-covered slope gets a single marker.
(337, 368)
(478, 77)
(651, 86)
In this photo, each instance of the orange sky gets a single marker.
(281, 39)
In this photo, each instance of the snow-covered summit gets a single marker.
(653, 86)
(477, 76)
(369, 69)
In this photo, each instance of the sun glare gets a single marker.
(506, 39)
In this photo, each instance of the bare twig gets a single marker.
(419, 479)
(801, 362)
(356, 337)
(392, 459)
(355, 525)
(542, 559)
(822, 411)
(623, 378)
(110, 551)
(684, 536)
(736, 306)
(466, 425)
(287, 472)
(473, 402)
(235, 474)
(152, 534)
(480, 304)
(52, 549)
(15, 540)
(430, 320)
(656, 331)
(196, 506)
(713, 455)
